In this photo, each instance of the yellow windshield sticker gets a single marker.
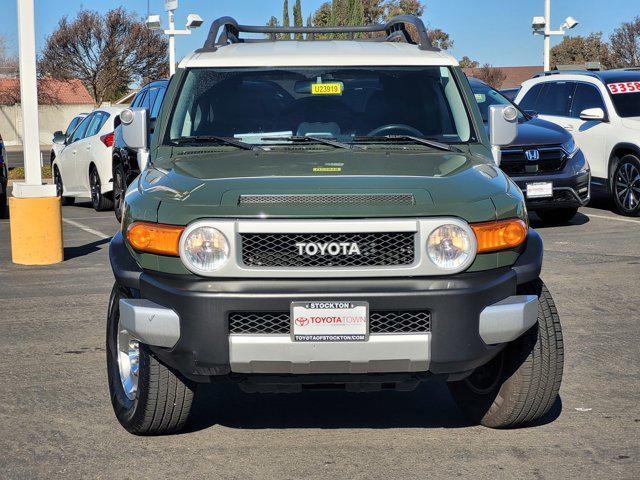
(326, 88)
(327, 169)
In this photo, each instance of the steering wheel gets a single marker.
(385, 129)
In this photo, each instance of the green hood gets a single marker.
(209, 183)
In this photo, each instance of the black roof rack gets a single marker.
(226, 30)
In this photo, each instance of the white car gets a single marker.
(82, 169)
(60, 137)
(602, 111)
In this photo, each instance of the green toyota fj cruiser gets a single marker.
(326, 212)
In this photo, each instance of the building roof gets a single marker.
(515, 75)
(317, 53)
(50, 92)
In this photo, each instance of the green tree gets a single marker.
(297, 18)
(393, 8)
(373, 11)
(273, 22)
(309, 24)
(322, 17)
(440, 39)
(355, 13)
(466, 62)
(578, 50)
(285, 19)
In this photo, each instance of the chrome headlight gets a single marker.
(204, 249)
(570, 147)
(450, 247)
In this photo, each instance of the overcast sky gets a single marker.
(493, 31)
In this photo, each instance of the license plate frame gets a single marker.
(323, 332)
(539, 190)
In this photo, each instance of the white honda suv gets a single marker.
(602, 111)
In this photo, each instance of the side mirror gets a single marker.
(503, 124)
(592, 115)
(59, 137)
(135, 128)
(503, 128)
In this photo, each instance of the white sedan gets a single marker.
(82, 169)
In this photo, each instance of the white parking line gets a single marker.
(615, 219)
(86, 229)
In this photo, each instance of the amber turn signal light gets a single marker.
(155, 238)
(500, 235)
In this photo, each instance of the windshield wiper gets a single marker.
(411, 138)
(214, 139)
(310, 138)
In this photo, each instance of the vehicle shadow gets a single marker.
(429, 406)
(82, 250)
(537, 223)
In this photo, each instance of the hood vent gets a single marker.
(328, 199)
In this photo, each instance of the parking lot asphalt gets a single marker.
(56, 418)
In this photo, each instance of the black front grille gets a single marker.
(514, 161)
(328, 199)
(279, 322)
(283, 249)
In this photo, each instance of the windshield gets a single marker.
(487, 96)
(625, 96)
(259, 106)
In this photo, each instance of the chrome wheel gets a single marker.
(128, 362)
(57, 179)
(119, 188)
(627, 186)
(96, 190)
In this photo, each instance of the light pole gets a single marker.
(35, 213)
(542, 26)
(153, 23)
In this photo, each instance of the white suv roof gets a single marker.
(320, 53)
(226, 46)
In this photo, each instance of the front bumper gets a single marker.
(571, 189)
(185, 319)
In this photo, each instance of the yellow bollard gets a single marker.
(36, 230)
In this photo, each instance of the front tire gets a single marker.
(520, 385)
(559, 216)
(57, 179)
(625, 187)
(119, 189)
(147, 397)
(99, 201)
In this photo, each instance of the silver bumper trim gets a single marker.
(279, 354)
(507, 319)
(149, 322)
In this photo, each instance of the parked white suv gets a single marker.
(82, 169)
(602, 111)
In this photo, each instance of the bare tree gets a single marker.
(490, 75)
(8, 59)
(107, 53)
(625, 44)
